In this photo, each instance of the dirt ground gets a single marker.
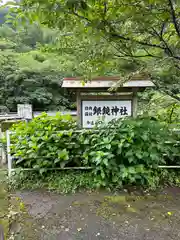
(98, 215)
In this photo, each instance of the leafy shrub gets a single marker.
(121, 152)
(127, 151)
(43, 142)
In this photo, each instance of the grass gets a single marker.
(61, 182)
(72, 181)
(4, 201)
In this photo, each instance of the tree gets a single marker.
(40, 87)
(29, 76)
(146, 32)
(159, 106)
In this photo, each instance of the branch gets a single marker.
(169, 93)
(171, 113)
(135, 56)
(136, 41)
(114, 34)
(105, 7)
(177, 66)
(174, 19)
(167, 49)
(162, 29)
(148, 53)
(80, 16)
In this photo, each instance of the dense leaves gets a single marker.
(125, 151)
(62, 182)
(41, 143)
(29, 76)
(146, 34)
(159, 106)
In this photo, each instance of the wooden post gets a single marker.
(78, 101)
(135, 102)
(3, 151)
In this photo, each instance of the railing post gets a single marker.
(9, 158)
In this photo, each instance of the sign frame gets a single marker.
(110, 98)
(24, 114)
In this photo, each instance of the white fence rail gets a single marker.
(9, 157)
(14, 115)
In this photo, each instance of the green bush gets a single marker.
(121, 152)
(41, 143)
(126, 151)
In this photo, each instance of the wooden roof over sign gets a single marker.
(105, 82)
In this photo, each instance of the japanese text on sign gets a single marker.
(93, 111)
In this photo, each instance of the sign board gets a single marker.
(105, 110)
(25, 111)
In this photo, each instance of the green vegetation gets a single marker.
(27, 75)
(159, 106)
(4, 202)
(143, 36)
(121, 152)
(71, 181)
(59, 181)
(89, 38)
(129, 38)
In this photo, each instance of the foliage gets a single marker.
(42, 144)
(159, 106)
(146, 33)
(29, 76)
(62, 182)
(41, 88)
(4, 221)
(122, 152)
(72, 181)
(126, 150)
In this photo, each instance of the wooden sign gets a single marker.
(104, 110)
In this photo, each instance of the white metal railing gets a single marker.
(14, 115)
(11, 116)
